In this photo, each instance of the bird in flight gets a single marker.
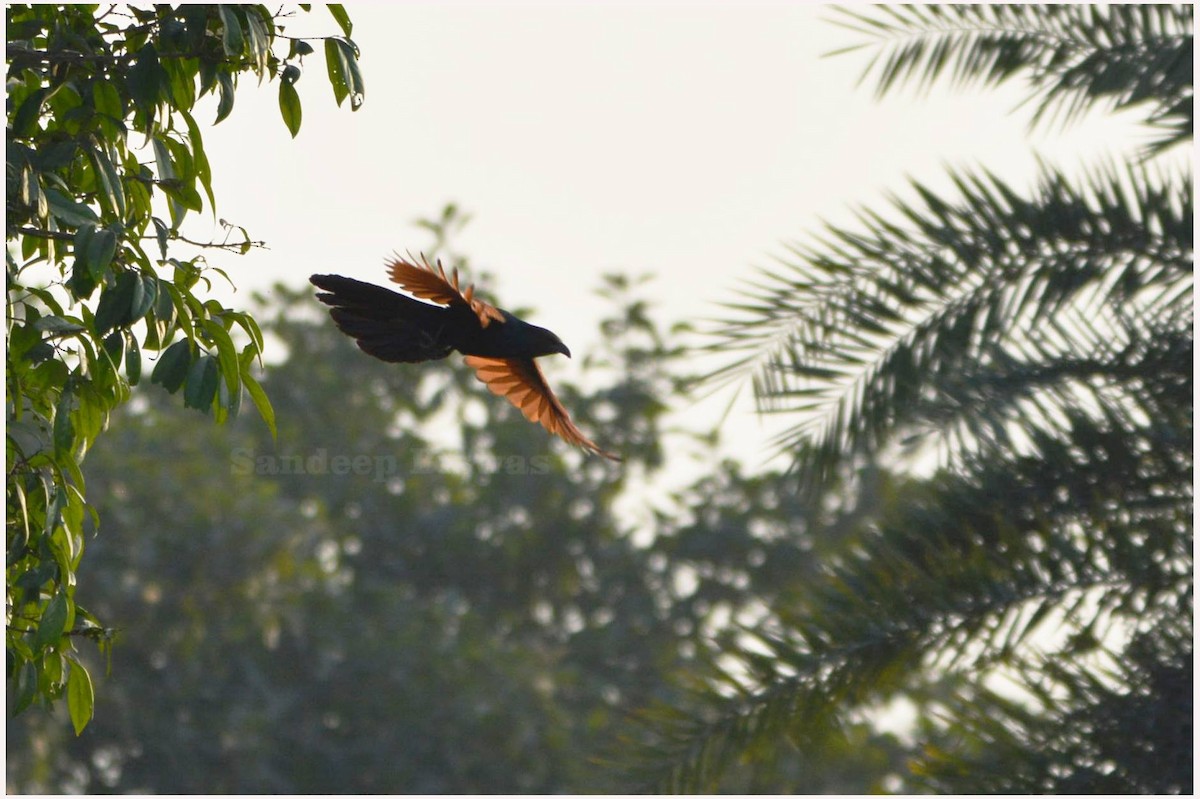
(500, 347)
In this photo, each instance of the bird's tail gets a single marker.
(384, 323)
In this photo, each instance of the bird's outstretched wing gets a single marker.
(522, 383)
(427, 282)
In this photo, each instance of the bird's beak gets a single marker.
(565, 351)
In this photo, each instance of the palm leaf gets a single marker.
(870, 332)
(1073, 56)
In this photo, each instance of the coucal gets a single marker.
(500, 347)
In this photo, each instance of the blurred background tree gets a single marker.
(467, 615)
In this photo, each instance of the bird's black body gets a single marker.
(497, 345)
(394, 327)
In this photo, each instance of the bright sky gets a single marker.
(686, 140)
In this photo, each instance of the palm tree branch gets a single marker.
(1074, 56)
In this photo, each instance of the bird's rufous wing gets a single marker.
(427, 282)
(521, 382)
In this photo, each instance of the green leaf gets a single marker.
(110, 111)
(53, 156)
(31, 192)
(83, 282)
(231, 35)
(114, 345)
(161, 234)
(112, 193)
(173, 365)
(101, 248)
(289, 106)
(56, 324)
(26, 687)
(133, 360)
(195, 21)
(25, 120)
(92, 413)
(258, 32)
(199, 159)
(202, 380)
(116, 301)
(64, 431)
(226, 355)
(53, 621)
(181, 82)
(68, 211)
(343, 19)
(337, 71)
(225, 103)
(145, 79)
(145, 293)
(54, 511)
(353, 76)
(107, 100)
(260, 400)
(162, 157)
(81, 698)
(341, 61)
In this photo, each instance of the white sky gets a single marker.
(687, 140)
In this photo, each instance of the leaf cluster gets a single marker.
(104, 161)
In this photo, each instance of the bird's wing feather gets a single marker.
(429, 282)
(521, 382)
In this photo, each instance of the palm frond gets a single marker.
(995, 572)
(1073, 56)
(870, 329)
(1079, 732)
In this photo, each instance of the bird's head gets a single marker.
(546, 343)
(529, 340)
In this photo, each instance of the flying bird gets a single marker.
(500, 347)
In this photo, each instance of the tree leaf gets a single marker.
(161, 234)
(26, 687)
(259, 397)
(357, 88)
(53, 621)
(68, 211)
(133, 360)
(101, 248)
(116, 301)
(145, 293)
(24, 121)
(231, 34)
(289, 106)
(112, 193)
(343, 19)
(173, 365)
(81, 698)
(334, 65)
(200, 159)
(225, 103)
(202, 380)
(110, 111)
(227, 355)
(145, 80)
(64, 430)
(56, 324)
(259, 38)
